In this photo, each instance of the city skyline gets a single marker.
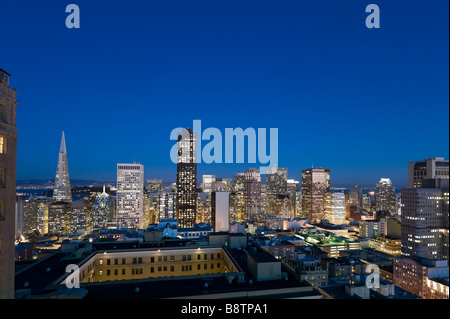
(295, 68)
(225, 150)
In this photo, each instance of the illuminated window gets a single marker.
(2, 144)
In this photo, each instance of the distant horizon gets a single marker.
(168, 183)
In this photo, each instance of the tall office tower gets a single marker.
(146, 202)
(62, 191)
(154, 207)
(94, 191)
(239, 202)
(385, 198)
(356, 199)
(223, 185)
(166, 206)
(398, 201)
(18, 234)
(186, 188)
(208, 183)
(79, 217)
(101, 211)
(337, 208)
(130, 195)
(30, 216)
(252, 194)
(59, 218)
(424, 222)
(293, 190)
(315, 193)
(154, 185)
(434, 170)
(263, 201)
(43, 215)
(283, 206)
(203, 213)
(8, 156)
(276, 181)
(220, 211)
(366, 203)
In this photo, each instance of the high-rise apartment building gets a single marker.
(385, 198)
(433, 170)
(315, 193)
(252, 194)
(130, 195)
(8, 158)
(62, 191)
(186, 186)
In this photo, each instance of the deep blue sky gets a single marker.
(360, 102)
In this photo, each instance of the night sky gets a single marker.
(362, 102)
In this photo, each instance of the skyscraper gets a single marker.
(59, 218)
(208, 183)
(130, 195)
(315, 193)
(337, 208)
(252, 194)
(166, 206)
(8, 158)
(186, 191)
(62, 191)
(238, 196)
(385, 199)
(425, 222)
(276, 181)
(433, 169)
(101, 210)
(425, 210)
(220, 211)
(293, 189)
(154, 185)
(223, 185)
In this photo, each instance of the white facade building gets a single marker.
(130, 195)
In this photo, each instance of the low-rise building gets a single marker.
(421, 276)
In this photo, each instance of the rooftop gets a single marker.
(262, 256)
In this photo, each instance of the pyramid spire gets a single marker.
(62, 148)
(62, 190)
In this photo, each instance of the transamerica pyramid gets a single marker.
(62, 191)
